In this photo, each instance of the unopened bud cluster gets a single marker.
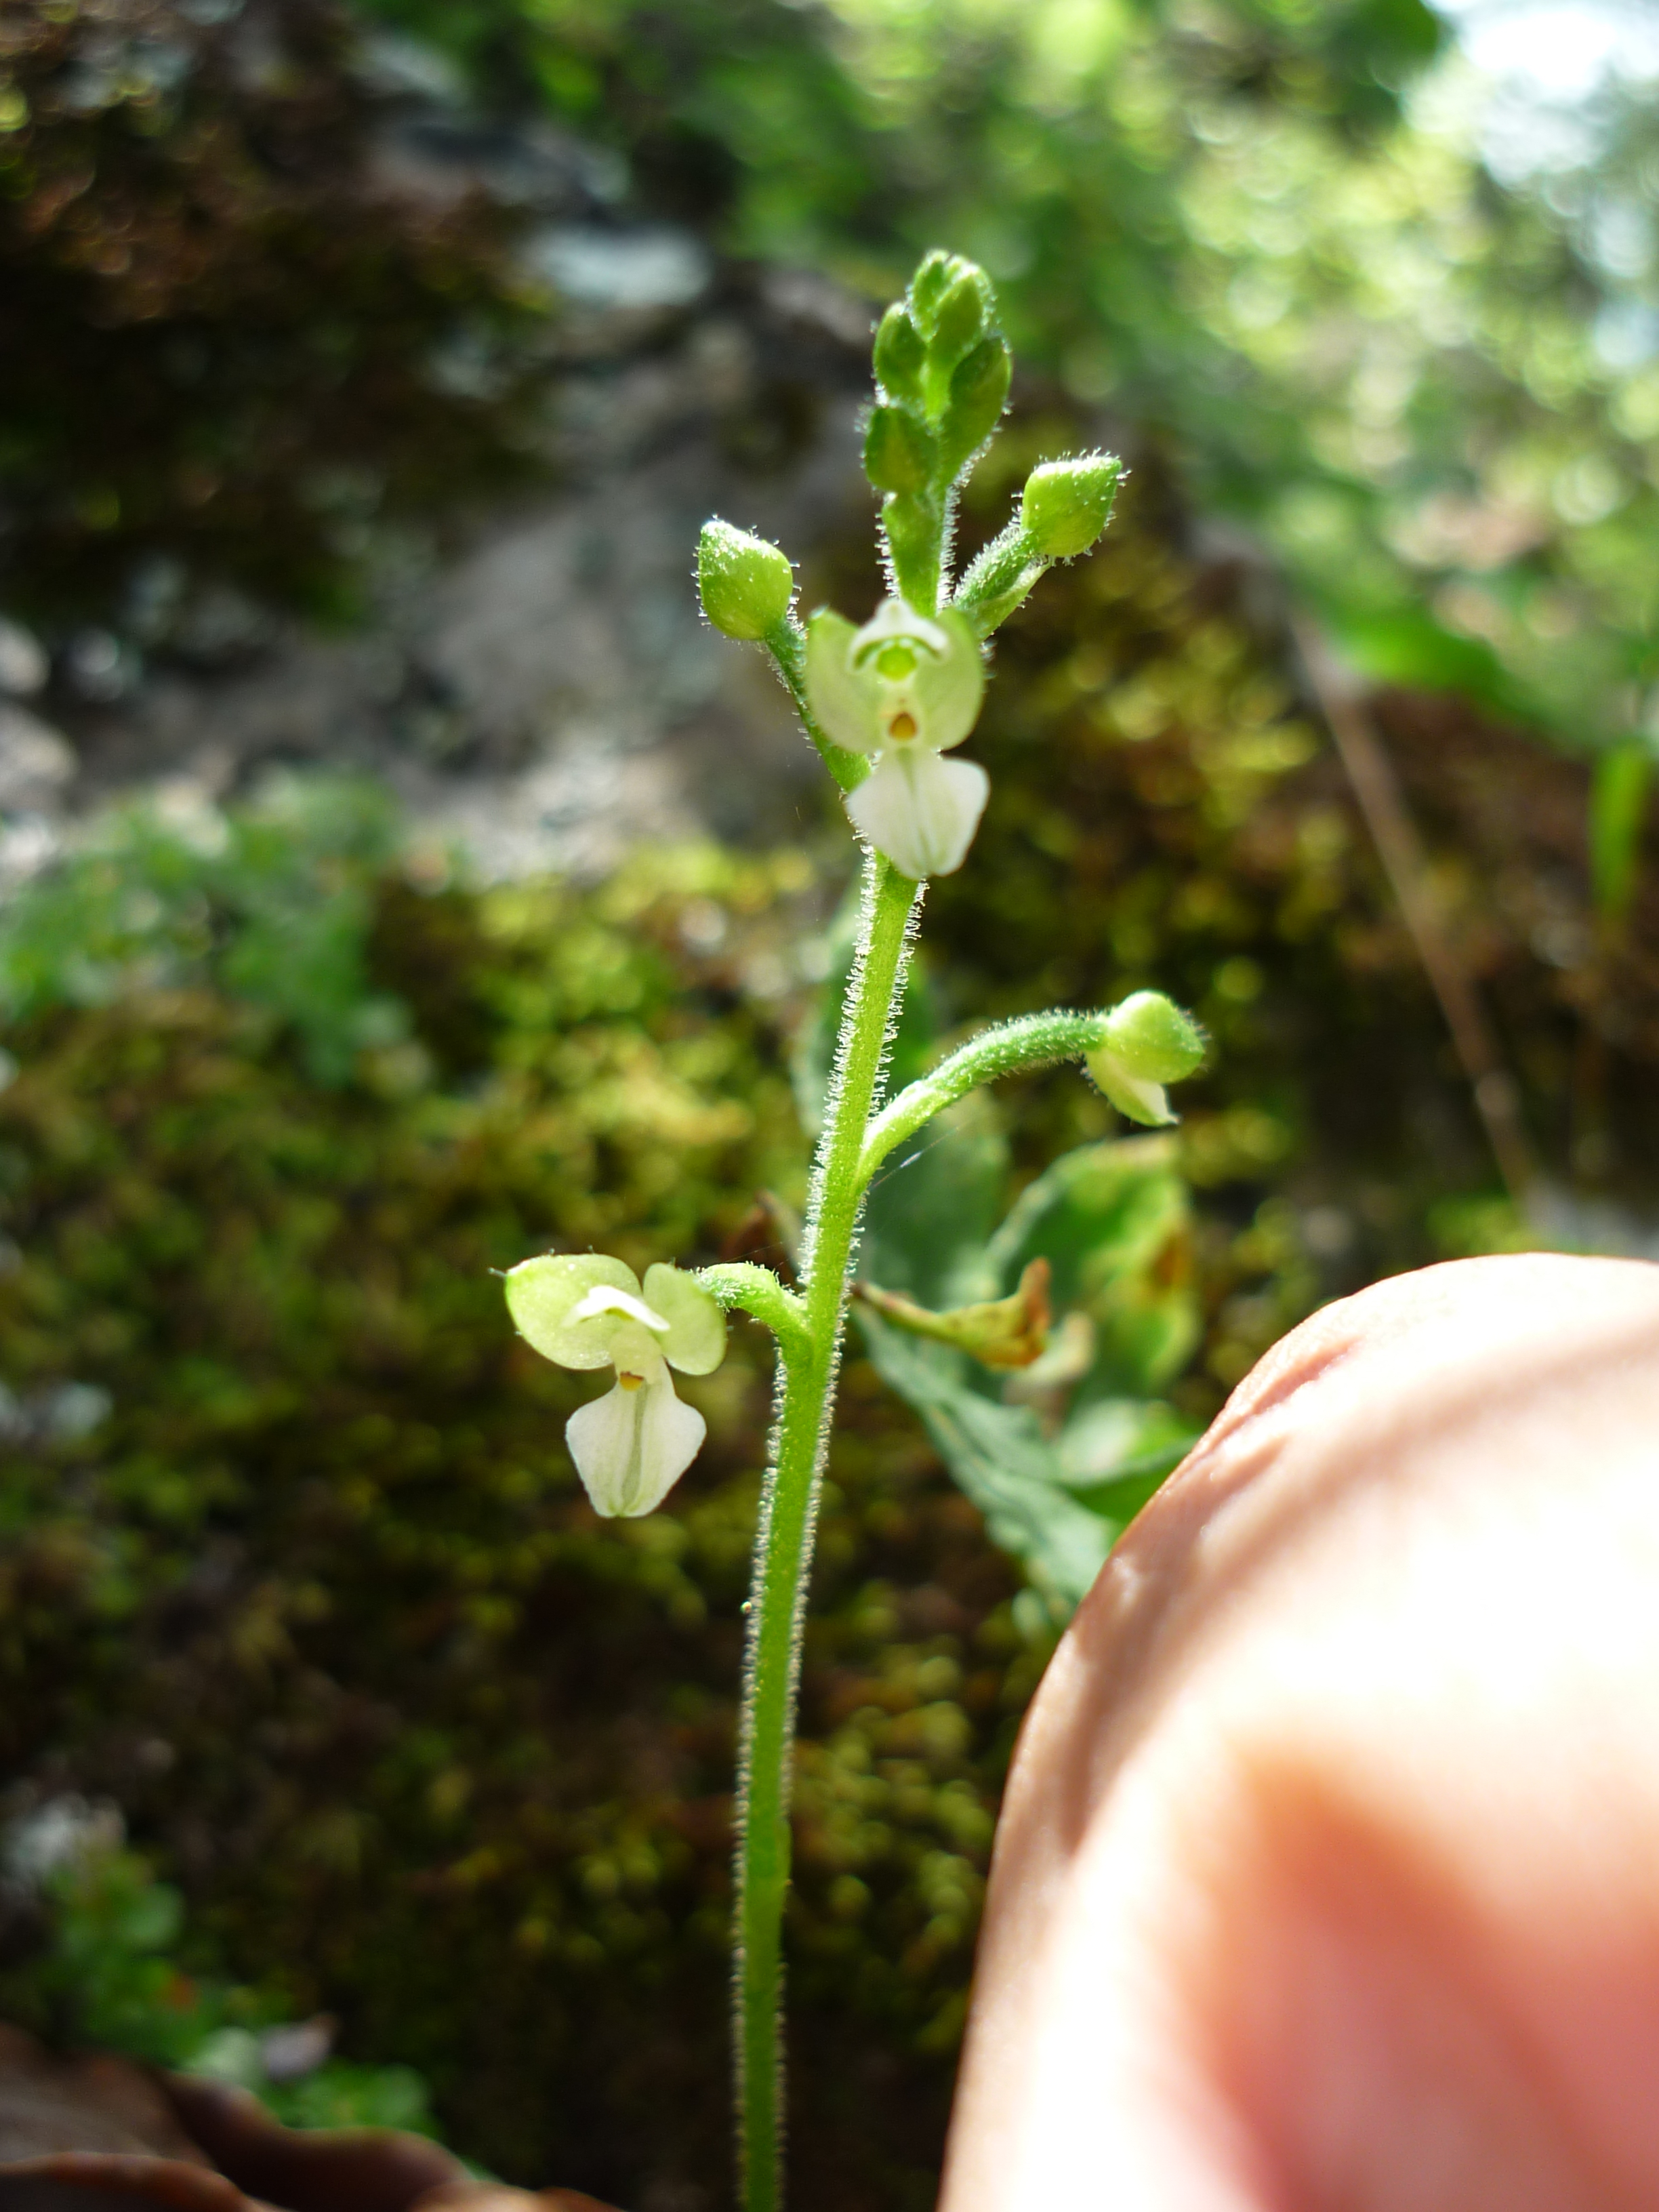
(942, 375)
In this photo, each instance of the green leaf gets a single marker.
(1405, 645)
(1000, 1457)
(1112, 1222)
(1115, 1452)
(932, 1207)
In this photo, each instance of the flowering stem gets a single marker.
(1000, 579)
(783, 1547)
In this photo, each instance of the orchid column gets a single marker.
(885, 702)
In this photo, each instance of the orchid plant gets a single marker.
(885, 703)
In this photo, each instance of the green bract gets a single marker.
(582, 1310)
(745, 585)
(904, 689)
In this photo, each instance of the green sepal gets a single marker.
(842, 701)
(787, 643)
(542, 1294)
(949, 690)
(695, 1342)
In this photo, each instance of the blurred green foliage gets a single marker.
(272, 903)
(1264, 235)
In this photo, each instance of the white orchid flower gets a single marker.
(584, 1311)
(904, 689)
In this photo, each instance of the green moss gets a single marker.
(320, 1600)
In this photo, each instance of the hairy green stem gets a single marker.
(1034, 1040)
(1000, 579)
(783, 1546)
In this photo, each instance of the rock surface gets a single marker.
(542, 688)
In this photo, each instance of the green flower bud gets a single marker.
(745, 584)
(1066, 504)
(928, 285)
(1150, 1036)
(1148, 1043)
(901, 355)
(979, 392)
(966, 306)
(899, 454)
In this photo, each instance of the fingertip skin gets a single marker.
(1403, 1596)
